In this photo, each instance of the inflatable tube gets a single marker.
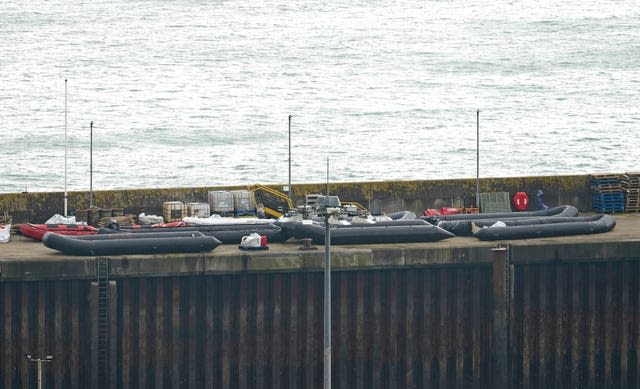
(225, 233)
(460, 224)
(292, 230)
(396, 222)
(530, 221)
(396, 216)
(402, 215)
(125, 235)
(591, 225)
(564, 210)
(373, 234)
(124, 244)
(37, 231)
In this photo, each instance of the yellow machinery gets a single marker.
(274, 203)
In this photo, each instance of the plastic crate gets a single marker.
(608, 202)
(173, 211)
(199, 210)
(244, 202)
(220, 202)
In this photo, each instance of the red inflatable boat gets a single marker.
(37, 231)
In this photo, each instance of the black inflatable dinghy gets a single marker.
(123, 244)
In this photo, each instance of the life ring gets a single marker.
(521, 201)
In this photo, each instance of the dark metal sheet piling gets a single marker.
(563, 325)
(501, 309)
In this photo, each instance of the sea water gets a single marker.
(198, 93)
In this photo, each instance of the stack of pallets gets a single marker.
(631, 188)
(606, 193)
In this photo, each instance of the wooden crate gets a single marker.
(605, 183)
(630, 180)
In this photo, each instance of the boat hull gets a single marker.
(127, 244)
(225, 233)
(461, 224)
(580, 226)
(372, 234)
(37, 231)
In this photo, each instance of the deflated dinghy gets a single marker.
(372, 233)
(124, 244)
(538, 228)
(460, 224)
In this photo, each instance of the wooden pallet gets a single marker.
(630, 184)
(608, 188)
(122, 220)
(604, 182)
(632, 208)
(632, 202)
(604, 176)
(630, 180)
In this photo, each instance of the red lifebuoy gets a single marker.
(521, 201)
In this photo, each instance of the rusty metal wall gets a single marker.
(570, 324)
(576, 325)
(40, 318)
(409, 328)
(393, 328)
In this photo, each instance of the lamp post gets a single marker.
(327, 302)
(327, 288)
(478, 158)
(289, 187)
(65, 147)
(91, 164)
(39, 362)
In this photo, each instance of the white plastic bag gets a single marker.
(251, 241)
(150, 219)
(59, 219)
(5, 233)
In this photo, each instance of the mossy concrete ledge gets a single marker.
(378, 196)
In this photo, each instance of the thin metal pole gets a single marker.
(39, 374)
(478, 158)
(91, 165)
(327, 295)
(327, 188)
(39, 362)
(65, 148)
(289, 187)
(501, 317)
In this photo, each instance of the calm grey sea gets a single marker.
(192, 93)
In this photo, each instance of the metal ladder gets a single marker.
(102, 276)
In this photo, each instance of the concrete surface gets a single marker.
(26, 259)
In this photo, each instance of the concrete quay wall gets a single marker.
(378, 196)
(559, 314)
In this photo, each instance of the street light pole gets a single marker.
(65, 147)
(289, 187)
(39, 362)
(91, 164)
(478, 158)
(327, 293)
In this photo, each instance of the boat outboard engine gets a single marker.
(540, 205)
